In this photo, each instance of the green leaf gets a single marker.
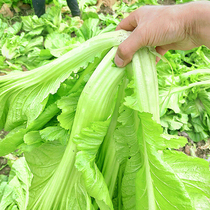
(59, 43)
(145, 82)
(14, 46)
(152, 176)
(23, 96)
(52, 192)
(14, 29)
(3, 26)
(15, 137)
(194, 173)
(139, 142)
(42, 161)
(53, 133)
(159, 178)
(174, 121)
(35, 42)
(88, 143)
(68, 105)
(128, 153)
(31, 138)
(174, 141)
(12, 140)
(32, 22)
(15, 190)
(90, 28)
(35, 58)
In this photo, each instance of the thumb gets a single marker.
(128, 47)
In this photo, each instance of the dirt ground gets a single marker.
(200, 149)
(4, 167)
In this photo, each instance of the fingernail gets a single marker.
(119, 61)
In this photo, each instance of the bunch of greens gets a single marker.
(34, 42)
(15, 188)
(10, 2)
(91, 134)
(15, 2)
(26, 43)
(186, 106)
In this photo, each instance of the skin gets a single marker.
(177, 27)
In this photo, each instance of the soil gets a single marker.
(166, 2)
(199, 149)
(4, 167)
(105, 10)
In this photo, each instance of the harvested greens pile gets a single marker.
(83, 134)
(92, 138)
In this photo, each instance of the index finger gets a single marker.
(129, 23)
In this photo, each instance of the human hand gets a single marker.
(177, 27)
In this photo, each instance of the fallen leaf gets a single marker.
(25, 6)
(5, 11)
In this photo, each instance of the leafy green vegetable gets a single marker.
(21, 46)
(15, 188)
(188, 100)
(146, 162)
(41, 82)
(91, 132)
(82, 121)
(59, 43)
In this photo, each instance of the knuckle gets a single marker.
(124, 52)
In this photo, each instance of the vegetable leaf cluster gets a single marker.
(91, 134)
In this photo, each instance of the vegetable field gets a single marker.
(79, 133)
